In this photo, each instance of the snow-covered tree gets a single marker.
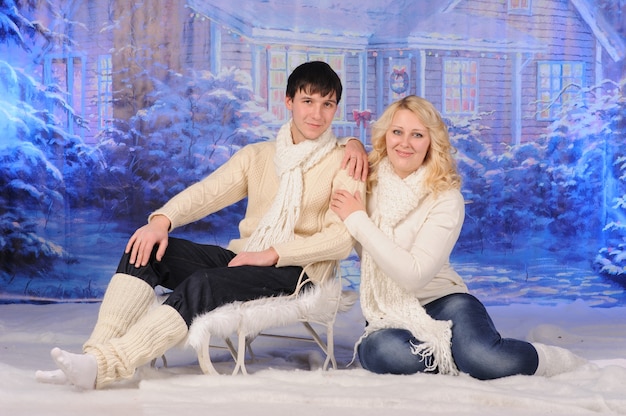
(192, 125)
(37, 156)
(558, 185)
(611, 259)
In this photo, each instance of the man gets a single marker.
(288, 232)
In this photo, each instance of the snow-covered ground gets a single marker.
(285, 379)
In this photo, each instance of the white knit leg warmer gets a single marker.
(159, 330)
(125, 301)
(556, 360)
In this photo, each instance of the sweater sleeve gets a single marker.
(343, 141)
(225, 186)
(331, 242)
(433, 233)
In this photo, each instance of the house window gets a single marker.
(105, 91)
(460, 86)
(281, 63)
(67, 73)
(520, 6)
(558, 82)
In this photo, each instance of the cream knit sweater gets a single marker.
(320, 236)
(417, 259)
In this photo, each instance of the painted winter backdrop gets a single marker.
(545, 219)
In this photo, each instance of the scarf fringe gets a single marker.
(436, 357)
(292, 161)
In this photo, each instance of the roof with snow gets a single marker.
(360, 24)
(381, 24)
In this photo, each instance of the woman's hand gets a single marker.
(355, 160)
(343, 203)
(142, 242)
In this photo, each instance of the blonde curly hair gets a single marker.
(441, 172)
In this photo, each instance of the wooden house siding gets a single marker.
(236, 52)
(90, 43)
(351, 88)
(196, 42)
(557, 25)
(496, 99)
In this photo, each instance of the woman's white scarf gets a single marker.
(291, 161)
(384, 303)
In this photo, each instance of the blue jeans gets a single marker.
(477, 347)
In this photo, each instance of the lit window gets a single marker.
(282, 63)
(520, 6)
(557, 83)
(460, 86)
(67, 73)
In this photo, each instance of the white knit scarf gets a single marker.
(384, 303)
(291, 161)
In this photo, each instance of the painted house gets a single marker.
(515, 60)
(511, 62)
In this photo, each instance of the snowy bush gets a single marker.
(42, 167)
(191, 126)
(36, 157)
(556, 186)
(504, 191)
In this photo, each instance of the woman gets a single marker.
(420, 316)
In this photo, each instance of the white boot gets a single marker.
(556, 360)
(159, 330)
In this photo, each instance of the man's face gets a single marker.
(312, 114)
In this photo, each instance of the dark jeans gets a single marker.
(477, 347)
(201, 280)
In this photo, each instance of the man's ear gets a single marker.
(288, 102)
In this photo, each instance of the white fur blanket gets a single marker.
(317, 304)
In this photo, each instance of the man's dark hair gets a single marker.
(314, 77)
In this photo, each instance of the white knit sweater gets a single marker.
(320, 236)
(418, 257)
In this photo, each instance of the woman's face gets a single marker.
(407, 142)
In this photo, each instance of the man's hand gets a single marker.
(142, 242)
(268, 257)
(355, 159)
(343, 203)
